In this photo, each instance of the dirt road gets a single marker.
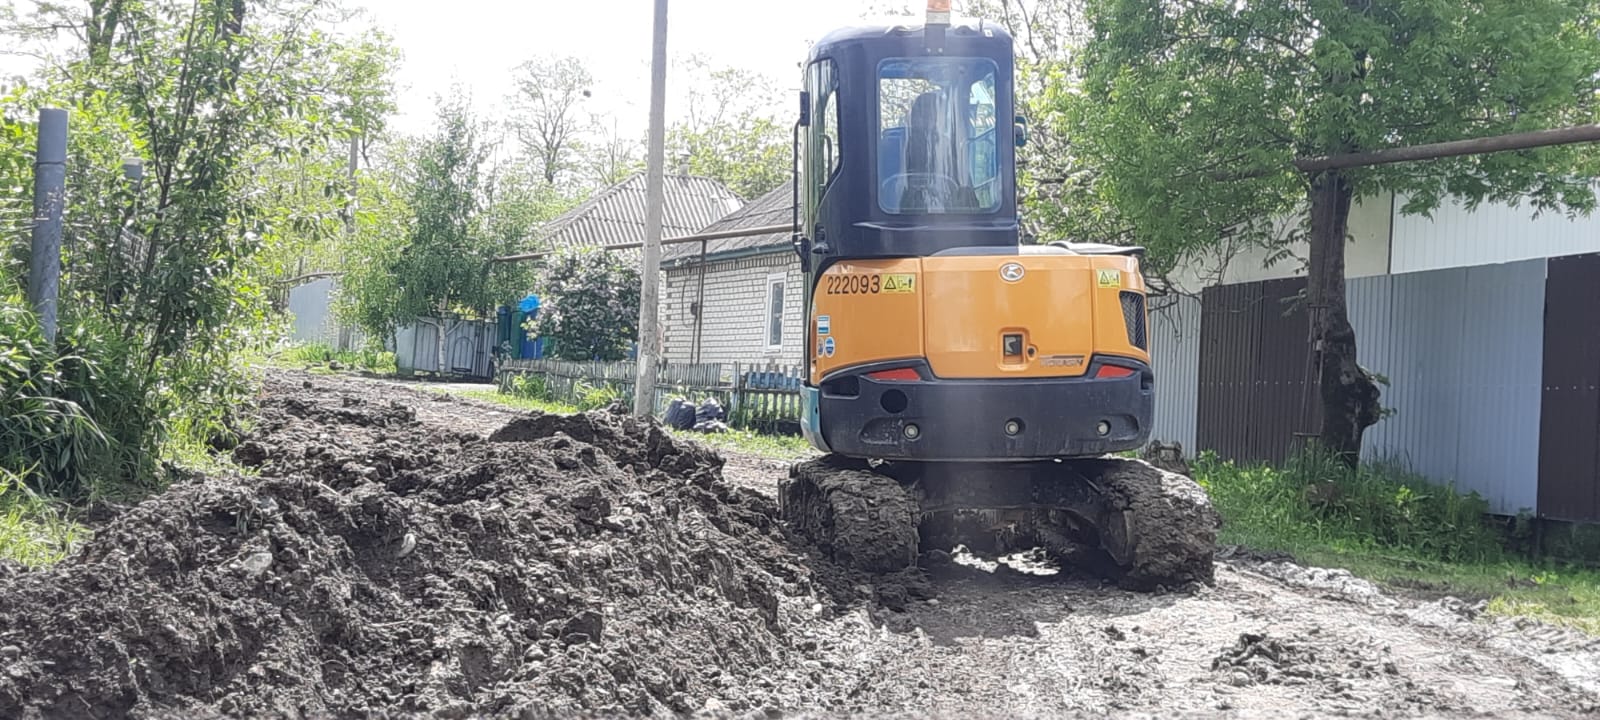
(398, 555)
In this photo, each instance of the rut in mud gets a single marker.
(401, 555)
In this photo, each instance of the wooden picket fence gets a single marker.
(760, 397)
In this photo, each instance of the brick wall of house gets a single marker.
(734, 327)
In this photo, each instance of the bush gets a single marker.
(530, 387)
(1315, 497)
(80, 420)
(589, 305)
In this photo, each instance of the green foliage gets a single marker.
(749, 155)
(443, 266)
(1376, 507)
(529, 387)
(34, 530)
(519, 402)
(1189, 114)
(1393, 527)
(372, 360)
(731, 132)
(74, 422)
(237, 110)
(593, 396)
(433, 219)
(589, 305)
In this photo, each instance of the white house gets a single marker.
(743, 303)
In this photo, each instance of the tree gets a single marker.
(548, 119)
(589, 304)
(731, 129)
(1191, 112)
(440, 264)
(611, 158)
(162, 284)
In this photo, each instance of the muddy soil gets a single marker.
(398, 554)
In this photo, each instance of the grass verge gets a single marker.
(776, 447)
(1397, 529)
(34, 531)
(322, 358)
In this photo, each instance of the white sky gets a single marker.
(479, 42)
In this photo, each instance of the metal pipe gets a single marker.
(700, 303)
(49, 195)
(698, 237)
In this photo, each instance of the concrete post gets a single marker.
(644, 386)
(49, 195)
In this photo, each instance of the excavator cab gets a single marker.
(948, 364)
(932, 332)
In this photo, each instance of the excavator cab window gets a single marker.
(823, 158)
(936, 130)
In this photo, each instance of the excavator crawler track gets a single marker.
(1118, 518)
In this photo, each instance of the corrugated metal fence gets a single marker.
(464, 350)
(1175, 358)
(760, 397)
(1458, 348)
(1257, 400)
(1569, 421)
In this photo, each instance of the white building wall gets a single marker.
(1366, 254)
(1493, 233)
(734, 327)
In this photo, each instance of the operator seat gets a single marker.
(931, 182)
(921, 155)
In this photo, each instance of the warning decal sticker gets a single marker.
(900, 283)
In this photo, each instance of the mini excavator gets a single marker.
(964, 386)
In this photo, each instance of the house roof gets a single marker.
(616, 214)
(774, 208)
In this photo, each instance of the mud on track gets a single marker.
(399, 555)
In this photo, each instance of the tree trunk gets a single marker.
(1349, 395)
(105, 18)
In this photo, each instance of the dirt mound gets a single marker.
(376, 566)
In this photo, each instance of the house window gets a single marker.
(774, 316)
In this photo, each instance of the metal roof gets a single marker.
(616, 214)
(774, 208)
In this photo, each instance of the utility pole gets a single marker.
(644, 381)
(49, 195)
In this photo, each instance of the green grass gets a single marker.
(34, 531)
(775, 447)
(320, 355)
(1394, 528)
(515, 402)
(528, 396)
